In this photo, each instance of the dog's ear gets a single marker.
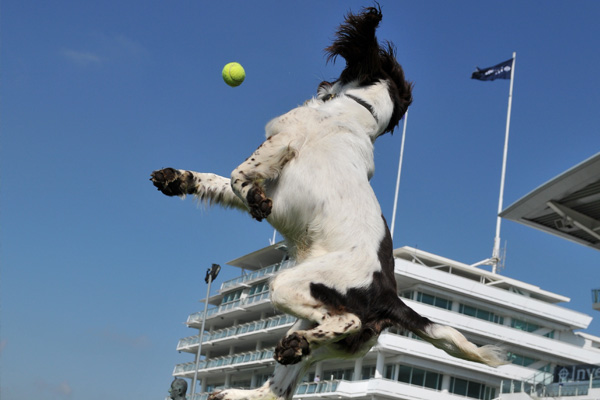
(357, 43)
(400, 89)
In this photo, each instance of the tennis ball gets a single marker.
(234, 74)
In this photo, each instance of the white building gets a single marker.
(242, 329)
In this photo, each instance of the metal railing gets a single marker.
(306, 388)
(542, 389)
(233, 359)
(317, 387)
(257, 274)
(243, 329)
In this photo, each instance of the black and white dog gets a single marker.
(310, 180)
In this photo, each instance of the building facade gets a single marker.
(548, 357)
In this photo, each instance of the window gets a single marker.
(231, 297)
(435, 301)
(481, 314)
(476, 390)
(338, 374)
(407, 294)
(415, 376)
(524, 326)
(518, 359)
(259, 288)
(368, 372)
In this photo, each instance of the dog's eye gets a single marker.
(328, 96)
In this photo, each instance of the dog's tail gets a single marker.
(447, 338)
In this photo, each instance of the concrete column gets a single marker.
(445, 383)
(358, 369)
(380, 365)
(203, 385)
(227, 380)
(319, 371)
(455, 305)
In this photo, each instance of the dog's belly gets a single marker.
(325, 208)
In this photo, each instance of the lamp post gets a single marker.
(211, 275)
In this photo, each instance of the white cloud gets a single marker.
(114, 48)
(81, 57)
(62, 389)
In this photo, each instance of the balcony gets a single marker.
(256, 275)
(596, 299)
(264, 325)
(234, 307)
(250, 359)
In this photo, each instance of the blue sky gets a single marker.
(99, 271)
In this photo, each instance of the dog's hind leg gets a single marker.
(266, 163)
(282, 384)
(296, 291)
(446, 338)
(209, 188)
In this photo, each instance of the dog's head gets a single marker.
(372, 76)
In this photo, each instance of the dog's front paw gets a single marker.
(169, 181)
(291, 349)
(260, 205)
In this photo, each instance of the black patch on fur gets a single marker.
(377, 305)
(368, 62)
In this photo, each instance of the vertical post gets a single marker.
(211, 274)
(496, 251)
(398, 177)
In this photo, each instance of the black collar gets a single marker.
(364, 104)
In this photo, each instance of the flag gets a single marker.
(500, 71)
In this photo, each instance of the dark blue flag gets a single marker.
(500, 71)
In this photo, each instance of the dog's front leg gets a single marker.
(211, 188)
(266, 163)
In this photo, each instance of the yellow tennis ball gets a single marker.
(234, 74)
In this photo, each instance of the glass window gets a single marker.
(404, 373)
(443, 303)
(489, 394)
(389, 371)
(434, 300)
(433, 380)
(474, 390)
(458, 386)
(230, 297)
(368, 372)
(524, 326)
(468, 310)
(418, 377)
(481, 314)
(426, 298)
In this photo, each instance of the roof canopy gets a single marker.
(567, 206)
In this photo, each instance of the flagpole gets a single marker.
(398, 177)
(496, 251)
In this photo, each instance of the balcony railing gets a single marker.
(306, 388)
(550, 390)
(243, 329)
(197, 317)
(234, 359)
(317, 387)
(270, 270)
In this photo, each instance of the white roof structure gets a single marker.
(567, 206)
